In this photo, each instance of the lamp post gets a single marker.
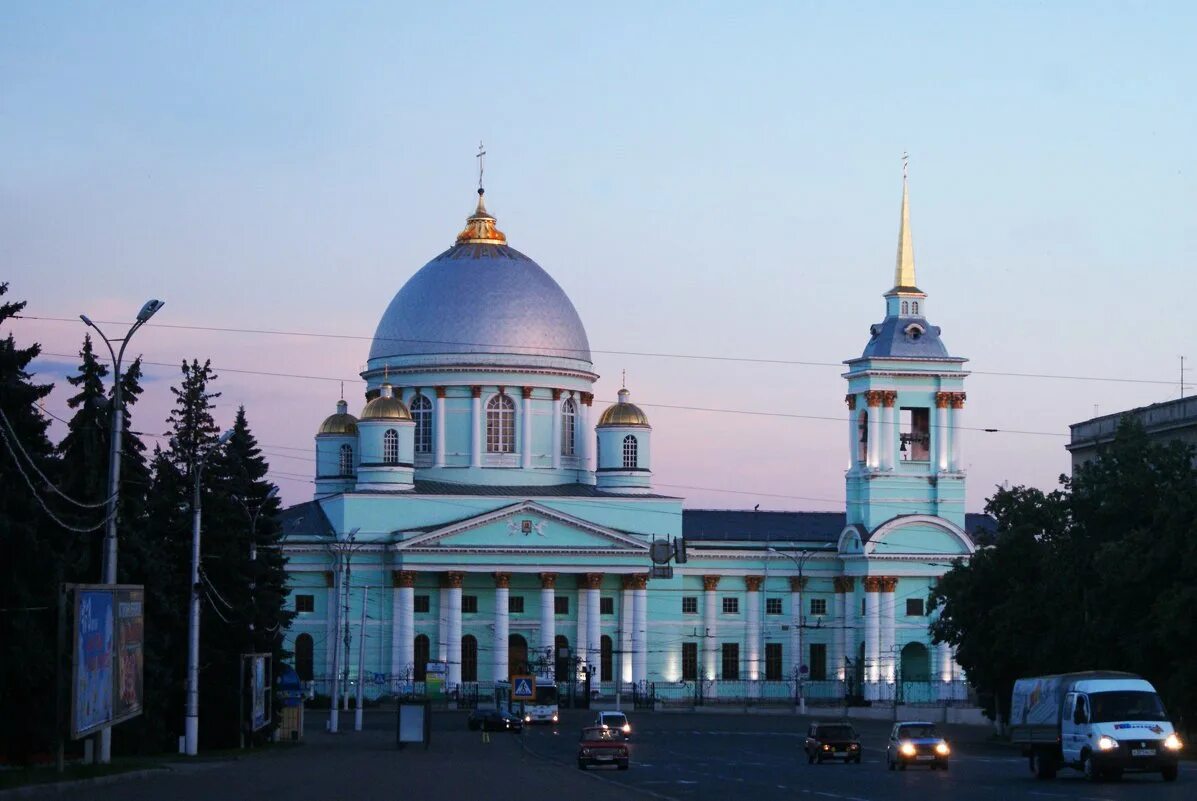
(252, 514)
(191, 715)
(800, 563)
(341, 552)
(108, 567)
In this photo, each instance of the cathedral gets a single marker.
(478, 517)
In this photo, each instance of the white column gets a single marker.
(835, 654)
(330, 624)
(406, 624)
(797, 657)
(753, 620)
(476, 428)
(548, 608)
(627, 624)
(889, 434)
(853, 433)
(581, 640)
(872, 638)
(887, 632)
(442, 626)
(851, 622)
(593, 631)
(957, 425)
(556, 429)
(874, 433)
(454, 594)
(640, 641)
(587, 433)
(502, 596)
(438, 427)
(710, 628)
(940, 437)
(943, 658)
(526, 430)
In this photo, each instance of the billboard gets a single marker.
(106, 655)
(258, 690)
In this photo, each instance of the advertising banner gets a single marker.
(259, 688)
(129, 661)
(106, 630)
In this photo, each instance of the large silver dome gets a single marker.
(479, 297)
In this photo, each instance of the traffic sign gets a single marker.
(380, 678)
(523, 688)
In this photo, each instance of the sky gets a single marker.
(713, 184)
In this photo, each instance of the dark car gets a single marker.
(916, 743)
(600, 746)
(832, 741)
(494, 720)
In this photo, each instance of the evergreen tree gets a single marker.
(31, 544)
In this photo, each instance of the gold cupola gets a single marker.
(340, 424)
(480, 227)
(385, 407)
(623, 413)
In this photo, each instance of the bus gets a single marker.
(541, 709)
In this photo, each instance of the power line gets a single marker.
(530, 350)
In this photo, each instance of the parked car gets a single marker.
(494, 720)
(599, 746)
(615, 721)
(916, 742)
(832, 741)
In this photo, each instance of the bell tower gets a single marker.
(905, 408)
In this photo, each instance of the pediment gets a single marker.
(525, 526)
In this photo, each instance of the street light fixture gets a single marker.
(191, 714)
(800, 563)
(116, 424)
(341, 551)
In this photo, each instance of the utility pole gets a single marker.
(361, 662)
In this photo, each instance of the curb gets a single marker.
(59, 788)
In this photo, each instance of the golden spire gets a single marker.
(904, 271)
(480, 228)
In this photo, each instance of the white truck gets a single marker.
(1101, 723)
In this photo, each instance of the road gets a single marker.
(679, 756)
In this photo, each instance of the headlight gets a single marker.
(627, 728)
(585, 752)
(907, 749)
(527, 718)
(1106, 743)
(942, 749)
(1173, 743)
(554, 718)
(853, 746)
(826, 747)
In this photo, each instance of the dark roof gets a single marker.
(745, 525)
(889, 338)
(306, 519)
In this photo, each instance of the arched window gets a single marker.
(915, 306)
(421, 412)
(605, 658)
(469, 658)
(303, 656)
(500, 425)
(862, 452)
(569, 426)
(561, 658)
(517, 654)
(421, 653)
(390, 447)
(905, 307)
(629, 452)
(346, 460)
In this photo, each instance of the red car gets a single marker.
(599, 746)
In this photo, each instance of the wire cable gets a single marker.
(42, 476)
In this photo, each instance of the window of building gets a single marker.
(914, 607)
(605, 658)
(569, 426)
(731, 606)
(346, 464)
(561, 661)
(606, 606)
(515, 604)
(915, 436)
(905, 307)
(305, 603)
(629, 452)
(772, 606)
(304, 661)
(420, 604)
(818, 662)
(773, 661)
(862, 452)
(914, 306)
(390, 447)
(560, 605)
(689, 604)
(469, 604)
(500, 425)
(469, 658)
(689, 661)
(818, 606)
(421, 413)
(731, 660)
(863, 612)
(422, 652)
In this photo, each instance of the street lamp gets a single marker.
(191, 715)
(341, 553)
(799, 562)
(108, 558)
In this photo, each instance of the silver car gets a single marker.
(915, 742)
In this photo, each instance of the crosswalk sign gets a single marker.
(523, 688)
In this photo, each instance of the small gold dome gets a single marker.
(623, 413)
(385, 407)
(480, 228)
(342, 423)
